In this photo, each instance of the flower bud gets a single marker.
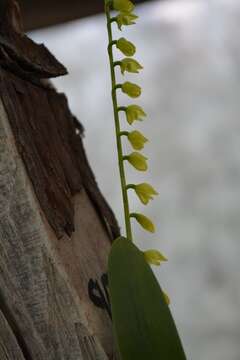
(123, 5)
(137, 140)
(134, 112)
(144, 221)
(126, 47)
(130, 65)
(125, 18)
(154, 257)
(131, 89)
(167, 299)
(138, 161)
(145, 192)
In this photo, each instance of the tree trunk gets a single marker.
(55, 226)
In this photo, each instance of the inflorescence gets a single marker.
(145, 192)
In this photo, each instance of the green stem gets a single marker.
(116, 86)
(122, 108)
(117, 63)
(111, 43)
(117, 127)
(130, 186)
(114, 19)
(124, 133)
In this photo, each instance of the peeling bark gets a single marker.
(55, 226)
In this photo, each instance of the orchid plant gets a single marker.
(137, 140)
(143, 324)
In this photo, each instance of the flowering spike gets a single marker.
(145, 192)
(144, 221)
(126, 19)
(137, 140)
(130, 65)
(126, 47)
(131, 89)
(154, 257)
(123, 5)
(134, 112)
(137, 160)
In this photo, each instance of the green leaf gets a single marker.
(143, 324)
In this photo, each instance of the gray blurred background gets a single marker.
(191, 92)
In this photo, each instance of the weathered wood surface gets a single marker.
(55, 227)
(21, 54)
(9, 348)
(46, 137)
(43, 280)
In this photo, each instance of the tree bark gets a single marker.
(55, 226)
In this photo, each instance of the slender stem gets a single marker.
(114, 19)
(122, 108)
(117, 128)
(117, 86)
(111, 43)
(130, 186)
(117, 63)
(124, 133)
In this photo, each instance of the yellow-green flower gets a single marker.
(130, 65)
(137, 139)
(131, 89)
(137, 160)
(144, 221)
(145, 192)
(123, 5)
(134, 112)
(125, 18)
(126, 47)
(167, 299)
(154, 257)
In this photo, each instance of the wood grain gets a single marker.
(55, 226)
(36, 288)
(9, 348)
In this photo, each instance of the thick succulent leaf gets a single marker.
(143, 324)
